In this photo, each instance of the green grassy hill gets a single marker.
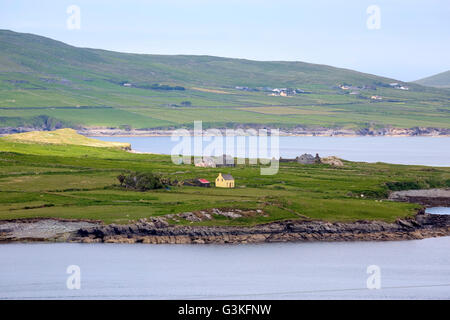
(46, 84)
(440, 80)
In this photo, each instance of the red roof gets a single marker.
(203, 180)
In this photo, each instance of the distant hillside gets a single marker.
(440, 80)
(43, 56)
(46, 85)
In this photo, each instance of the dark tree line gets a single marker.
(141, 181)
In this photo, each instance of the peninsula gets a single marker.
(52, 190)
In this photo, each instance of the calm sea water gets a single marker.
(438, 210)
(409, 270)
(433, 151)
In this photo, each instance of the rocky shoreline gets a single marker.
(320, 132)
(159, 231)
(298, 131)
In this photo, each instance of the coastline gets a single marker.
(296, 132)
(158, 231)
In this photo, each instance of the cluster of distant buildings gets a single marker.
(282, 92)
(286, 92)
(396, 85)
(216, 162)
(228, 161)
(227, 181)
(354, 90)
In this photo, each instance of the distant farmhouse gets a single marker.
(216, 162)
(286, 92)
(280, 92)
(396, 85)
(305, 158)
(356, 90)
(225, 181)
(308, 159)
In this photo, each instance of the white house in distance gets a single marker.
(396, 85)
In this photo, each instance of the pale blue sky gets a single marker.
(413, 41)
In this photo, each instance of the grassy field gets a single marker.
(79, 182)
(47, 84)
(63, 136)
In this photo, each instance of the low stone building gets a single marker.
(307, 158)
(225, 161)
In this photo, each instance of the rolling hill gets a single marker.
(440, 80)
(46, 84)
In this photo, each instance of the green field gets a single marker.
(79, 182)
(46, 84)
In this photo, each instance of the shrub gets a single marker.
(403, 185)
(141, 181)
(433, 182)
(369, 194)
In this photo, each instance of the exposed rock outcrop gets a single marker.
(160, 230)
(333, 161)
(41, 229)
(157, 230)
(426, 197)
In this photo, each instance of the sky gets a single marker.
(402, 39)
